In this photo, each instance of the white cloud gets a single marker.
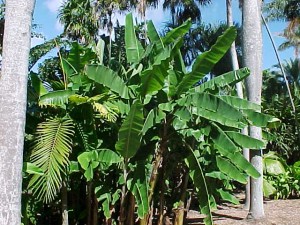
(37, 41)
(53, 5)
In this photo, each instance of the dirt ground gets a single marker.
(277, 212)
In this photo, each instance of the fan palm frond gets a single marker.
(50, 152)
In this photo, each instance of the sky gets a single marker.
(45, 16)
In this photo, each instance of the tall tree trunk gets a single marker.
(13, 93)
(239, 90)
(64, 203)
(252, 58)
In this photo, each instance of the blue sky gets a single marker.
(45, 16)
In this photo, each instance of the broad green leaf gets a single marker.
(154, 77)
(230, 170)
(73, 167)
(225, 195)
(268, 188)
(228, 149)
(239, 103)
(224, 80)
(273, 166)
(154, 36)
(134, 49)
(130, 132)
(258, 119)
(214, 109)
(108, 78)
(138, 186)
(99, 50)
(56, 98)
(197, 176)
(217, 174)
(105, 201)
(154, 116)
(246, 141)
(177, 32)
(207, 60)
(296, 169)
(220, 139)
(79, 56)
(89, 173)
(108, 156)
(78, 99)
(37, 85)
(31, 168)
(84, 159)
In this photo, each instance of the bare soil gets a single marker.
(277, 212)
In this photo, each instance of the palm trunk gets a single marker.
(64, 204)
(89, 203)
(240, 94)
(13, 93)
(252, 58)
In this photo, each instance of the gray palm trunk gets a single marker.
(239, 90)
(13, 93)
(252, 58)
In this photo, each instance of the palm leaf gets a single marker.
(50, 152)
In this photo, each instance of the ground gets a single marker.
(277, 212)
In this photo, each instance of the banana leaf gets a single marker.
(197, 176)
(207, 60)
(138, 186)
(108, 78)
(177, 32)
(134, 49)
(130, 132)
(56, 98)
(224, 80)
(154, 36)
(230, 170)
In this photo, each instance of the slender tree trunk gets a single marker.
(64, 203)
(234, 58)
(240, 94)
(252, 58)
(13, 93)
(181, 212)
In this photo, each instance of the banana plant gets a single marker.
(168, 112)
(156, 112)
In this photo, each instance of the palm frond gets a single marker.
(50, 152)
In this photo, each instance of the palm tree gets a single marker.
(293, 40)
(80, 20)
(286, 10)
(182, 10)
(13, 89)
(252, 58)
